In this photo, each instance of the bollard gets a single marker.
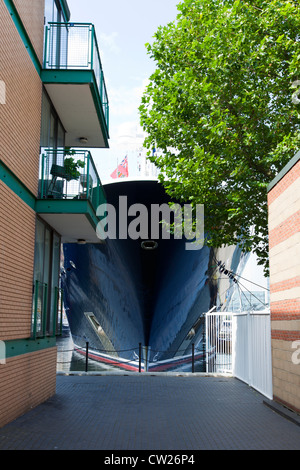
(146, 352)
(193, 358)
(86, 356)
(140, 357)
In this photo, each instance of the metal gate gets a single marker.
(218, 329)
(241, 345)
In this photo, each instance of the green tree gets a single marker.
(219, 107)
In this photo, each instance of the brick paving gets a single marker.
(151, 412)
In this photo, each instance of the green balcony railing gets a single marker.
(70, 174)
(74, 46)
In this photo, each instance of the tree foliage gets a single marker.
(219, 107)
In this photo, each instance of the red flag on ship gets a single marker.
(122, 170)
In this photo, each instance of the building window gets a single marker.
(53, 11)
(52, 130)
(57, 49)
(46, 312)
(52, 135)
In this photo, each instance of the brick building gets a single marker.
(40, 208)
(284, 246)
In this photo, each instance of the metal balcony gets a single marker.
(73, 77)
(70, 192)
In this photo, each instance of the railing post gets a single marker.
(101, 84)
(98, 194)
(92, 46)
(87, 356)
(140, 357)
(193, 358)
(87, 175)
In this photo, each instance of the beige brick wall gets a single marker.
(20, 116)
(26, 381)
(31, 13)
(284, 241)
(286, 374)
(17, 237)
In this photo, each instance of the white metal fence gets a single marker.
(242, 347)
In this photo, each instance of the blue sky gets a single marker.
(123, 28)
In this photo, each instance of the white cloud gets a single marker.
(109, 43)
(125, 101)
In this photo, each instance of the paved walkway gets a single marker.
(151, 412)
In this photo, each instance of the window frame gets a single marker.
(46, 283)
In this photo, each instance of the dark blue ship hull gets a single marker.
(119, 296)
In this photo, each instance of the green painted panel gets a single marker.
(16, 185)
(99, 109)
(92, 217)
(284, 171)
(19, 347)
(61, 206)
(67, 76)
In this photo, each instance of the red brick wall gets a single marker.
(285, 230)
